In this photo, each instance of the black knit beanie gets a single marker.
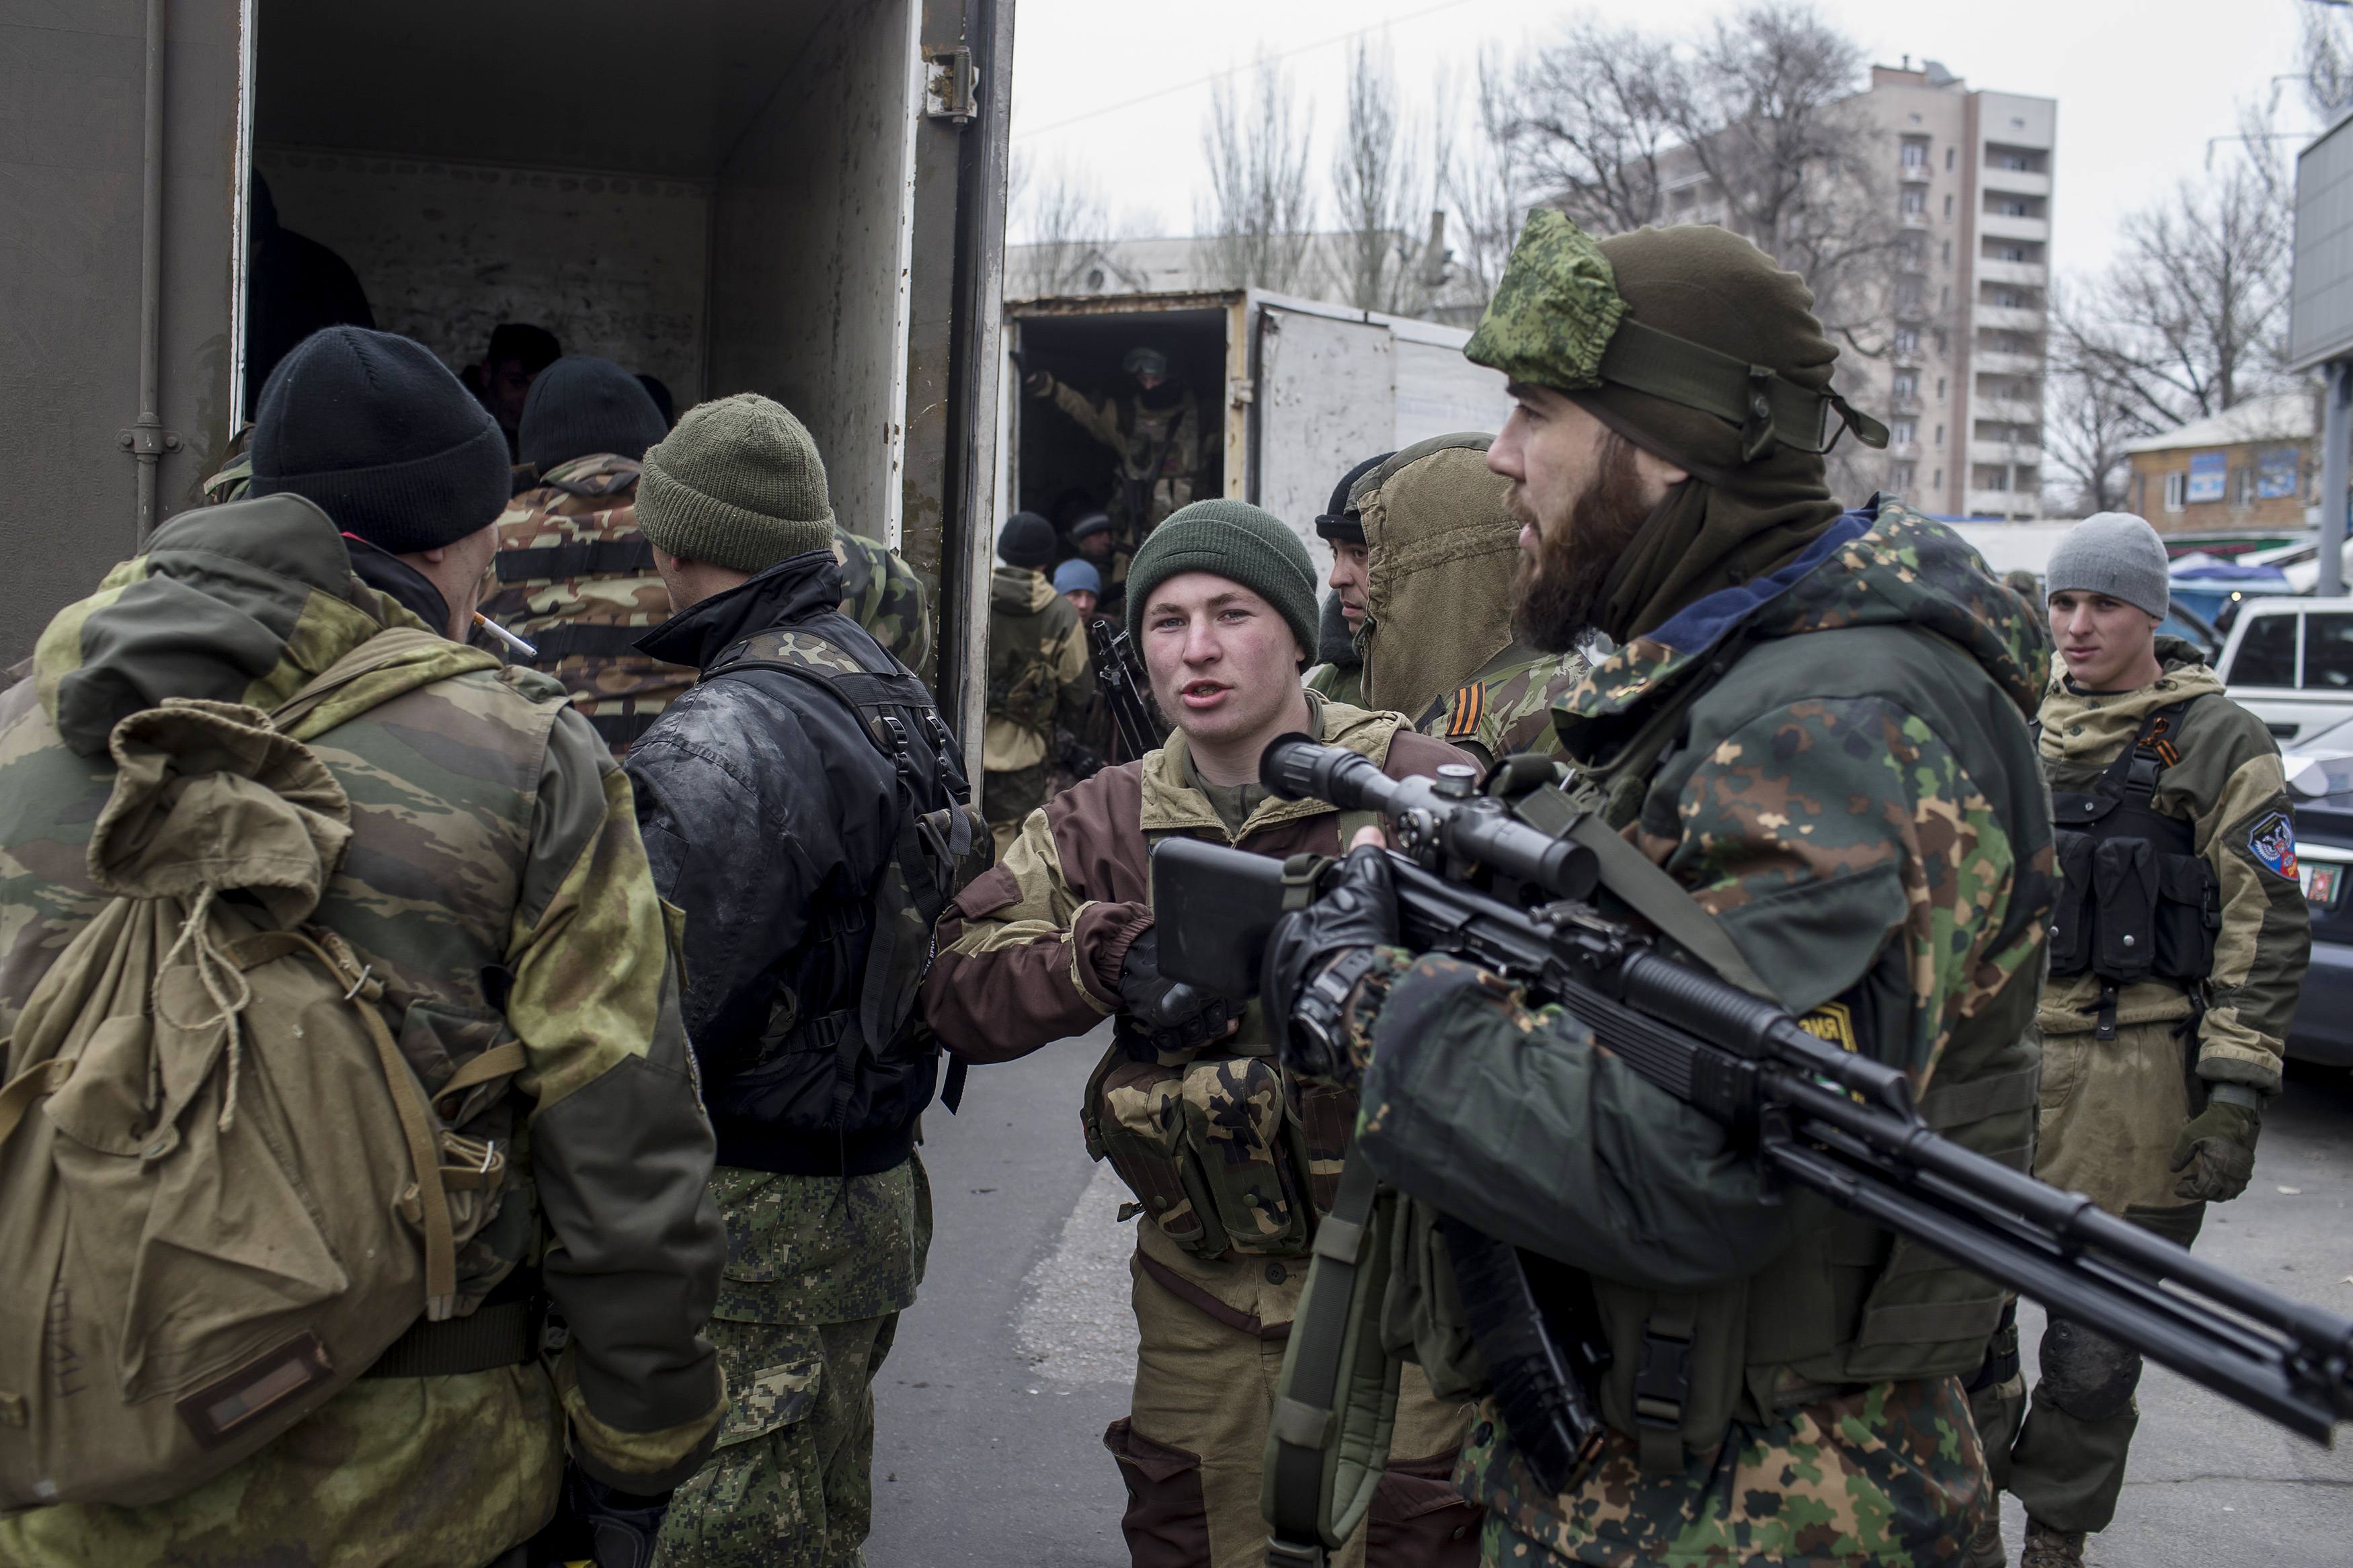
(376, 431)
(1342, 523)
(582, 405)
(1028, 540)
(1238, 542)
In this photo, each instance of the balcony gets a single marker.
(1904, 403)
(2009, 410)
(2009, 317)
(1993, 362)
(1902, 451)
(2032, 273)
(2001, 503)
(2001, 225)
(2001, 454)
(2014, 182)
(1912, 219)
(1911, 174)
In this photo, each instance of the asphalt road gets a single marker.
(991, 1409)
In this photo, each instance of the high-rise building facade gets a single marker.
(1956, 366)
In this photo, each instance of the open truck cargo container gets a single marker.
(803, 198)
(1304, 391)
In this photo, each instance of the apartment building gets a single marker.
(1969, 177)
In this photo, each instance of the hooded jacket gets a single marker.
(495, 882)
(1442, 552)
(2229, 786)
(770, 816)
(1039, 676)
(1833, 759)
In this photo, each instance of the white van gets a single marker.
(2290, 662)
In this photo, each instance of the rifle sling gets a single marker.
(1306, 1415)
(1659, 899)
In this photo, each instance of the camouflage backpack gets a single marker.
(229, 1191)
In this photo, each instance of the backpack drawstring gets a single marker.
(211, 969)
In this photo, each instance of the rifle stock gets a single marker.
(1840, 1124)
(1125, 691)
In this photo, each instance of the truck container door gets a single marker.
(1325, 400)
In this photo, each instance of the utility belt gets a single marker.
(1225, 1152)
(2137, 901)
(506, 1330)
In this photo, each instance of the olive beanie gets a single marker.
(738, 484)
(1234, 540)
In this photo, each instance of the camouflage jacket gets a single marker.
(496, 884)
(1030, 951)
(2229, 786)
(1833, 759)
(1159, 449)
(576, 580)
(1507, 707)
(881, 592)
(1040, 677)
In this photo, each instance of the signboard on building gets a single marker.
(2208, 471)
(2276, 470)
(2320, 307)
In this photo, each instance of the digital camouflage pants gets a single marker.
(1192, 1450)
(791, 1484)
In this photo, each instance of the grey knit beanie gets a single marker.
(2114, 553)
(1236, 541)
(738, 484)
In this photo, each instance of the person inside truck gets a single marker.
(1155, 431)
(518, 352)
(295, 286)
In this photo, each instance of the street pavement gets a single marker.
(990, 1412)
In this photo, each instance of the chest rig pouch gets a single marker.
(2136, 901)
(1224, 1150)
(941, 845)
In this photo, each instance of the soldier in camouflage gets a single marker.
(1040, 683)
(1436, 640)
(1059, 936)
(1094, 536)
(1815, 723)
(1158, 435)
(774, 811)
(496, 886)
(2154, 1077)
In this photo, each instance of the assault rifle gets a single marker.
(1125, 691)
(1833, 1121)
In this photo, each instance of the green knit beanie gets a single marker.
(737, 484)
(1236, 541)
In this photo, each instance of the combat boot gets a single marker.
(2049, 1548)
(1985, 1546)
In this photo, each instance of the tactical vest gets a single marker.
(1022, 687)
(2137, 901)
(869, 1067)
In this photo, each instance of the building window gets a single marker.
(1949, 253)
(1948, 209)
(2176, 489)
(1907, 340)
(1907, 384)
(2012, 209)
(2009, 252)
(1948, 158)
(1915, 204)
(1938, 483)
(1940, 389)
(1945, 297)
(1903, 433)
(1916, 152)
(1940, 435)
(1900, 476)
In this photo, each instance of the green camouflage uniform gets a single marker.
(493, 842)
(1039, 680)
(575, 580)
(1853, 803)
(881, 592)
(1506, 707)
(818, 1270)
(1159, 452)
(2110, 1109)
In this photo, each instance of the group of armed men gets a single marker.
(736, 958)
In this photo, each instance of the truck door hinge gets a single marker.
(147, 440)
(951, 86)
(1242, 389)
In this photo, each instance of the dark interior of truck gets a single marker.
(1063, 471)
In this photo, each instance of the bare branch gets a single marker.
(1262, 205)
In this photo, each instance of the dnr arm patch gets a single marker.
(2272, 841)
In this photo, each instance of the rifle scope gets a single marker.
(1448, 814)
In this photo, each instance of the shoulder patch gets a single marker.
(2272, 841)
(1462, 714)
(1834, 1022)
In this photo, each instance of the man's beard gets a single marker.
(1557, 596)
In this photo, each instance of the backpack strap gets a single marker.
(394, 645)
(1659, 899)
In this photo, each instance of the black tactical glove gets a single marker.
(2217, 1145)
(1316, 955)
(1172, 1015)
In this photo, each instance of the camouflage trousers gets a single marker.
(791, 1483)
(1192, 1450)
(1889, 1476)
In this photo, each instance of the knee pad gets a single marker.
(2086, 1375)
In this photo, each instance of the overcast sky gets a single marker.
(2141, 86)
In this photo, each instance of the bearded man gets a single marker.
(1814, 723)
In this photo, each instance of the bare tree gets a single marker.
(1381, 192)
(1483, 182)
(2191, 316)
(1061, 217)
(1592, 122)
(2328, 60)
(1262, 205)
(2086, 423)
